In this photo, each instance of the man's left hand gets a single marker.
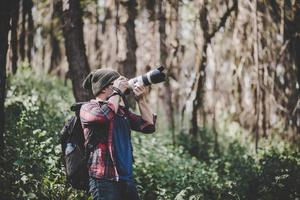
(139, 92)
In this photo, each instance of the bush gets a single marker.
(36, 108)
(279, 176)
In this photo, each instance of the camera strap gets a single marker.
(117, 91)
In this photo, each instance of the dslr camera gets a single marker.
(152, 77)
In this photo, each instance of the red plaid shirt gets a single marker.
(97, 119)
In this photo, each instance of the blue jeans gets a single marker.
(102, 189)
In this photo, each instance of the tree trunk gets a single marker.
(296, 43)
(56, 54)
(201, 73)
(264, 103)
(23, 32)
(167, 91)
(14, 35)
(150, 5)
(255, 48)
(30, 29)
(75, 48)
(98, 41)
(214, 121)
(127, 44)
(26, 36)
(5, 16)
(199, 83)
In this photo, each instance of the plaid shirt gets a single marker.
(97, 120)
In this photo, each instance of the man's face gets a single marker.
(109, 89)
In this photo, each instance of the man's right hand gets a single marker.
(121, 83)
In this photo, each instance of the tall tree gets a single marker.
(208, 34)
(5, 17)
(287, 92)
(258, 84)
(126, 14)
(14, 35)
(75, 47)
(56, 54)
(295, 51)
(167, 98)
(30, 28)
(26, 35)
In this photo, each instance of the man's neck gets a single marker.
(101, 97)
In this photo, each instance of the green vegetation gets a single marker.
(30, 168)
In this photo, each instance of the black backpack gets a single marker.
(74, 153)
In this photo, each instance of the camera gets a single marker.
(154, 76)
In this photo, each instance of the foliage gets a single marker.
(35, 111)
(36, 108)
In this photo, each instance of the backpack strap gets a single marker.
(76, 107)
(122, 95)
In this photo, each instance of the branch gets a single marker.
(223, 20)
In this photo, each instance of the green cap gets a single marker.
(97, 80)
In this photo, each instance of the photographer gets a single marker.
(110, 161)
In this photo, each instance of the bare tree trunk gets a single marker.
(199, 83)
(150, 4)
(167, 97)
(56, 54)
(175, 54)
(296, 115)
(216, 143)
(30, 29)
(255, 47)
(264, 102)
(43, 56)
(201, 73)
(75, 48)
(97, 43)
(5, 17)
(14, 35)
(26, 36)
(127, 44)
(23, 32)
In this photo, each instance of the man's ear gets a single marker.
(104, 90)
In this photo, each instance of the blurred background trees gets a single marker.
(233, 60)
(233, 66)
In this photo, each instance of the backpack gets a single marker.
(74, 153)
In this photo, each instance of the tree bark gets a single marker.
(127, 44)
(23, 32)
(256, 63)
(26, 36)
(56, 54)
(75, 48)
(214, 121)
(201, 73)
(199, 84)
(150, 5)
(30, 29)
(5, 17)
(296, 43)
(166, 90)
(14, 35)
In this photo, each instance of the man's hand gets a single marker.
(139, 92)
(140, 96)
(121, 83)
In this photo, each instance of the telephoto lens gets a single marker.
(152, 77)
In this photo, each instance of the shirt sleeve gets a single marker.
(95, 113)
(137, 123)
